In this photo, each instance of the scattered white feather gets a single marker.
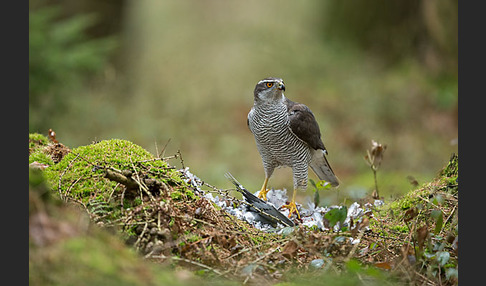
(311, 215)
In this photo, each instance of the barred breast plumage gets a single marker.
(277, 145)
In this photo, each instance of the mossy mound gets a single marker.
(152, 208)
(420, 229)
(80, 175)
(440, 193)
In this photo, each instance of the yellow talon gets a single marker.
(263, 192)
(292, 206)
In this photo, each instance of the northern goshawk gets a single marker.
(287, 134)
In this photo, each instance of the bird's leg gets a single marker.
(291, 206)
(263, 192)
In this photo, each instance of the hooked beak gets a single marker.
(281, 86)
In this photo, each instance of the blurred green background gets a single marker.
(181, 74)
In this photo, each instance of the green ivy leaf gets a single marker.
(437, 200)
(336, 215)
(443, 257)
(313, 183)
(439, 220)
(316, 198)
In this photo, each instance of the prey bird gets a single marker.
(265, 212)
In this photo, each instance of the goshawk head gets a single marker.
(269, 89)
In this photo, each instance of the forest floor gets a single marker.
(111, 212)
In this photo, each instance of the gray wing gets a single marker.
(304, 125)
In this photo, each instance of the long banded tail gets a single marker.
(321, 167)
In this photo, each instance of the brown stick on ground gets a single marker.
(124, 177)
(121, 178)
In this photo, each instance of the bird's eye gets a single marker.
(269, 84)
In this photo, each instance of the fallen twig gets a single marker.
(140, 236)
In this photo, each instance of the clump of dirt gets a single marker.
(57, 151)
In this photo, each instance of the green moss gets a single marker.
(257, 239)
(176, 195)
(99, 259)
(39, 192)
(436, 197)
(39, 156)
(74, 255)
(81, 173)
(190, 194)
(183, 194)
(37, 140)
(445, 181)
(37, 144)
(400, 228)
(194, 238)
(452, 168)
(409, 200)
